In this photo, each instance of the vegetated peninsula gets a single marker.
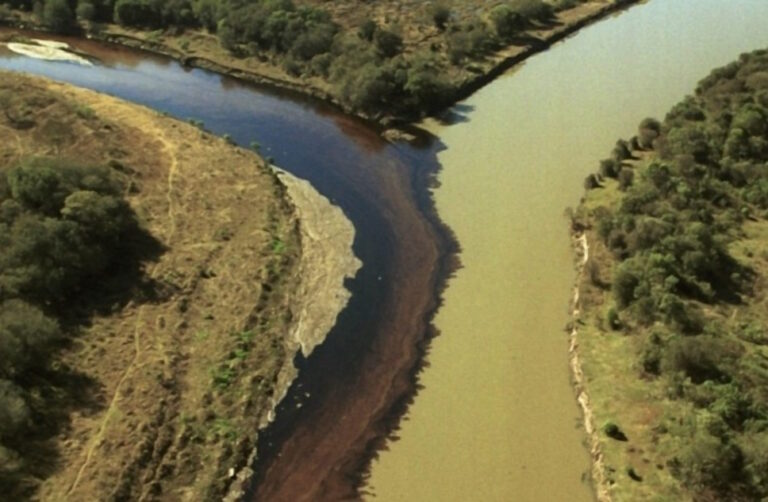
(672, 331)
(155, 285)
(388, 61)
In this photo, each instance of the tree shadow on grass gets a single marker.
(125, 281)
(57, 391)
(57, 394)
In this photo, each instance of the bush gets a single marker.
(621, 151)
(614, 321)
(472, 40)
(591, 182)
(613, 431)
(69, 224)
(700, 358)
(425, 84)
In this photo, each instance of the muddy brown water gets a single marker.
(496, 419)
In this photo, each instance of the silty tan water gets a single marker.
(497, 420)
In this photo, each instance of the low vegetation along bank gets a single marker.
(154, 289)
(672, 331)
(387, 61)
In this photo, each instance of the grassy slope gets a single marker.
(168, 386)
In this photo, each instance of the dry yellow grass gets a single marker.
(180, 376)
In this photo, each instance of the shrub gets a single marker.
(472, 40)
(613, 431)
(26, 337)
(614, 321)
(621, 151)
(425, 84)
(591, 182)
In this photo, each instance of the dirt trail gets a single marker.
(170, 150)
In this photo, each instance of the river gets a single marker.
(350, 390)
(496, 418)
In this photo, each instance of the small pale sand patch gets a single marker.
(49, 51)
(51, 43)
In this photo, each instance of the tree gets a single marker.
(367, 30)
(86, 11)
(26, 337)
(707, 463)
(388, 43)
(425, 84)
(648, 131)
(626, 177)
(532, 9)
(137, 13)
(506, 21)
(57, 15)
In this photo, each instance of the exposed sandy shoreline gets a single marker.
(47, 50)
(327, 260)
(599, 477)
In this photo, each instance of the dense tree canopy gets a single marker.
(671, 235)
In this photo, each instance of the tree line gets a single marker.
(367, 65)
